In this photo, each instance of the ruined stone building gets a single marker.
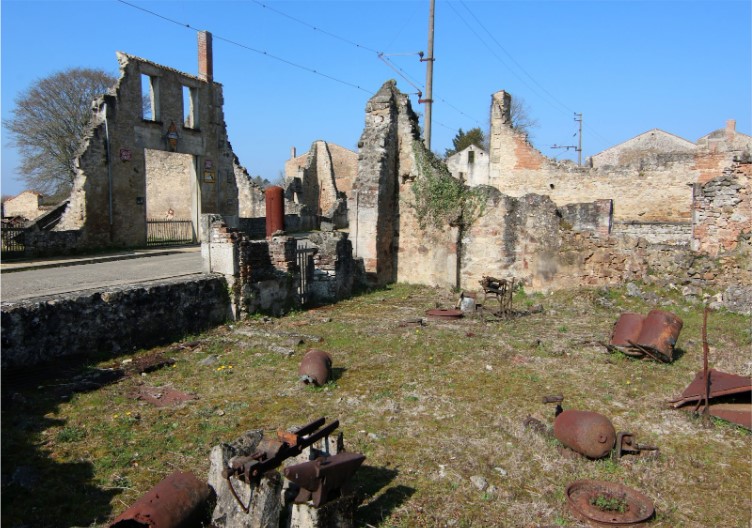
(545, 223)
(170, 159)
(649, 178)
(26, 205)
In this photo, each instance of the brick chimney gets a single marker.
(730, 130)
(205, 59)
(293, 152)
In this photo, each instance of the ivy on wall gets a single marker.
(441, 199)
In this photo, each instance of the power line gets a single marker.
(243, 46)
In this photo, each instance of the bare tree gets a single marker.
(520, 116)
(48, 123)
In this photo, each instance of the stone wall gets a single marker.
(336, 273)
(108, 202)
(114, 320)
(674, 233)
(723, 211)
(167, 173)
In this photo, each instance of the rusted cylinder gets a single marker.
(660, 331)
(315, 368)
(589, 433)
(177, 501)
(275, 210)
(626, 329)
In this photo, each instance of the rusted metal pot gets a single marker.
(176, 502)
(315, 368)
(589, 433)
(660, 331)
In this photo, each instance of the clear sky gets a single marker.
(295, 72)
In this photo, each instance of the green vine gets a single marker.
(441, 199)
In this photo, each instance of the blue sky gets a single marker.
(628, 66)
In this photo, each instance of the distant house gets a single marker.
(27, 205)
(652, 148)
(470, 165)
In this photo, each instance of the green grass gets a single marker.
(430, 406)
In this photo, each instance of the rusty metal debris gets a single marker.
(654, 336)
(725, 396)
(315, 368)
(603, 503)
(177, 501)
(502, 290)
(627, 445)
(444, 313)
(588, 433)
(271, 453)
(322, 479)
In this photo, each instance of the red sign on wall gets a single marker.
(125, 154)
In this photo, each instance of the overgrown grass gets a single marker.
(430, 406)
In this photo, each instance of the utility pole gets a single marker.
(429, 78)
(578, 146)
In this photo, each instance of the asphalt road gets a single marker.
(20, 285)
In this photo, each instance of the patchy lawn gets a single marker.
(430, 406)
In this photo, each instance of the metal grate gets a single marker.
(13, 242)
(169, 232)
(305, 266)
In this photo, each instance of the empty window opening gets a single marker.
(150, 96)
(470, 157)
(190, 107)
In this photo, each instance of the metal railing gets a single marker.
(13, 245)
(169, 232)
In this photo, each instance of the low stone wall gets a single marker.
(115, 320)
(673, 233)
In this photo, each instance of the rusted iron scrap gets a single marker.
(178, 501)
(271, 454)
(654, 336)
(444, 313)
(322, 479)
(588, 433)
(725, 396)
(601, 503)
(315, 368)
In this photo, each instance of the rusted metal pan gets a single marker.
(176, 502)
(729, 396)
(444, 313)
(315, 368)
(322, 479)
(588, 433)
(601, 503)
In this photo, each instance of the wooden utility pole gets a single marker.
(429, 78)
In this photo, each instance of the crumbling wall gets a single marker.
(385, 155)
(723, 211)
(108, 200)
(251, 197)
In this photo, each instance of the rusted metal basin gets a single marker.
(588, 500)
(176, 502)
(627, 328)
(444, 313)
(729, 396)
(660, 331)
(315, 368)
(588, 433)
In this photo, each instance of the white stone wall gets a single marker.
(25, 205)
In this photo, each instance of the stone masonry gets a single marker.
(111, 197)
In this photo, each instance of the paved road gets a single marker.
(28, 284)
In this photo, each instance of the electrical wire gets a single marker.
(243, 46)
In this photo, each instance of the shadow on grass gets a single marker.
(37, 490)
(370, 481)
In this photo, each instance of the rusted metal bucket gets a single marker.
(176, 502)
(323, 478)
(588, 433)
(315, 368)
(608, 503)
(660, 331)
(626, 329)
